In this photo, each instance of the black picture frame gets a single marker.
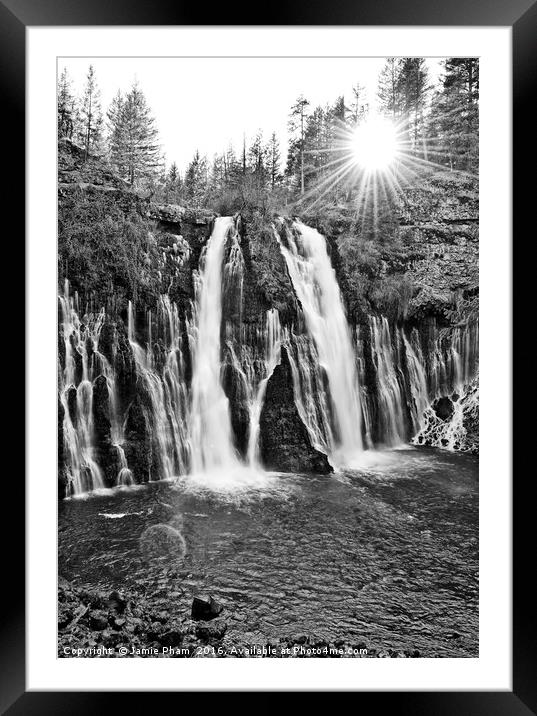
(521, 15)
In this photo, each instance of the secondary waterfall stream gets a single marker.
(316, 286)
(211, 436)
(80, 340)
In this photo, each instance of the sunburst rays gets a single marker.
(371, 164)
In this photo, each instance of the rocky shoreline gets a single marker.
(97, 623)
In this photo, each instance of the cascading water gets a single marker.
(273, 343)
(312, 395)
(175, 387)
(165, 396)
(316, 287)
(451, 374)
(162, 393)
(389, 384)
(211, 435)
(365, 397)
(76, 395)
(417, 380)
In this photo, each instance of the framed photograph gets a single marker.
(269, 322)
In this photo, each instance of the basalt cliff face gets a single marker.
(131, 273)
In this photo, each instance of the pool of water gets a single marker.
(386, 555)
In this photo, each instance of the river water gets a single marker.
(386, 556)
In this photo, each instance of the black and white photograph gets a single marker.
(268, 316)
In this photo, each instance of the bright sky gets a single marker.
(206, 103)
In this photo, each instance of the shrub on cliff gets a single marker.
(104, 248)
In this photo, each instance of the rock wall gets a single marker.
(285, 443)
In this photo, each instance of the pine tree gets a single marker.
(196, 180)
(67, 110)
(173, 174)
(273, 160)
(232, 168)
(413, 86)
(256, 161)
(454, 119)
(91, 116)
(134, 148)
(339, 110)
(297, 126)
(388, 88)
(359, 105)
(244, 163)
(217, 179)
(462, 73)
(317, 140)
(172, 185)
(116, 148)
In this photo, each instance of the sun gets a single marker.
(374, 144)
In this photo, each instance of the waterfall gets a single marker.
(125, 475)
(272, 345)
(312, 396)
(175, 387)
(417, 379)
(390, 393)
(316, 287)
(365, 396)
(453, 395)
(211, 434)
(163, 395)
(80, 340)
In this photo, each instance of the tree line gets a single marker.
(438, 125)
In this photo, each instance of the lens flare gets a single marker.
(374, 144)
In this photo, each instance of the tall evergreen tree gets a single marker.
(389, 88)
(297, 127)
(462, 73)
(273, 160)
(454, 119)
(413, 86)
(317, 140)
(232, 168)
(91, 116)
(67, 109)
(173, 174)
(196, 180)
(217, 178)
(116, 141)
(172, 185)
(359, 104)
(257, 160)
(134, 146)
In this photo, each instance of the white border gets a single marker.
(492, 670)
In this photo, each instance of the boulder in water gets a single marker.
(443, 408)
(205, 609)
